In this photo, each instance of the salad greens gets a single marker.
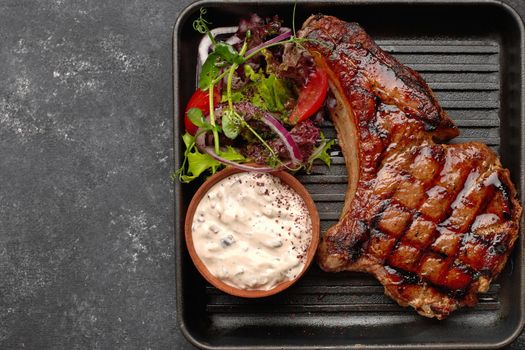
(196, 162)
(270, 92)
(255, 104)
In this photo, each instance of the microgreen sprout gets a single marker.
(201, 25)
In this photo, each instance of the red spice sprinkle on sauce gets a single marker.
(238, 228)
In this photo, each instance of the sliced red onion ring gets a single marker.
(276, 126)
(250, 110)
(200, 141)
(283, 36)
(284, 135)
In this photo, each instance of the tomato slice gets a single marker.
(311, 96)
(201, 100)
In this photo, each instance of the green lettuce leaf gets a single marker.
(232, 154)
(321, 152)
(197, 118)
(269, 93)
(231, 124)
(209, 71)
(199, 163)
(196, 163)
(188, 139)
(228, 53)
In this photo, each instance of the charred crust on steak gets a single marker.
(433, 223)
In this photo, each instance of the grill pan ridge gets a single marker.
(473, 62)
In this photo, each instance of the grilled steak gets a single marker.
(433, 223)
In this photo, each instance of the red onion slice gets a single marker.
(200, 142)
(250, 110)
(267, 118)
(283, 36)
(259, 169)
(284, 135)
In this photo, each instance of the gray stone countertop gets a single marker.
(86, 202)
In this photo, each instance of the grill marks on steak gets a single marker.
(434, 223)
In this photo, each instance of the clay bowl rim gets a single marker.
(289, 180)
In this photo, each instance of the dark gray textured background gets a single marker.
(86, 203)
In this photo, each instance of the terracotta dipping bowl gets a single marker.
(287, 179)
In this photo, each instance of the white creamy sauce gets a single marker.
(252, 231)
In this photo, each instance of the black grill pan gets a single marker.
(472, 55)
